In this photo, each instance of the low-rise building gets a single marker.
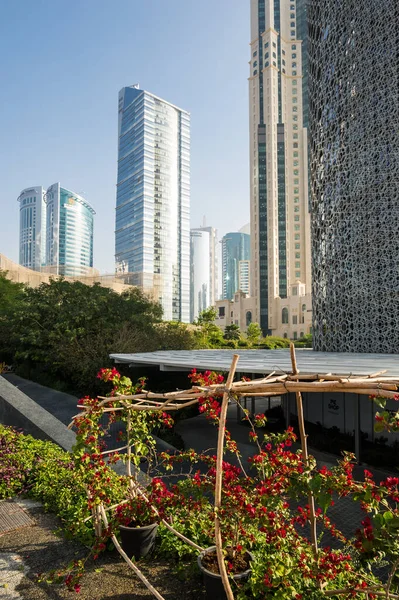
(292, 315)
(238, 311)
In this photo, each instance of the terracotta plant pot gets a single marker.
(213, 581)
(138, 541)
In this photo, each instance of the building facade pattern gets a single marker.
(152, 233)
(354, 126)
(280, 222)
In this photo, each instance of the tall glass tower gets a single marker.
(280, 222)
(200, 272)
(152, 232)
(32, 228)
(236, 247)
(354, 126)
(69, 232)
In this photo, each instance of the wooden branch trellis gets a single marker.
(375, 384)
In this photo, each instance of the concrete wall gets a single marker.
(20, 411)
(20, 274)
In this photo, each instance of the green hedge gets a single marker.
(43, 471)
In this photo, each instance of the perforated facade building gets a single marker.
(354, 126)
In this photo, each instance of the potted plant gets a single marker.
(238, 568)
(138, 524)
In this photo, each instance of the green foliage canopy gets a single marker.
(66, 331)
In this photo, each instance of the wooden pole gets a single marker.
(218, 479)
(132, 492)
(129, 562)
(305, 455)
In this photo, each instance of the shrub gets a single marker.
(43, 471)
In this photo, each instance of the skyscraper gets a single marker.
(32, 228)
(280, 223)
(56, 231)
(69, 232)
(200, 276)
(152, 232)
(354, 126)
(203, 269)
(235, 248)
(244, 276)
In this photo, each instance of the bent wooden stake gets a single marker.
(218, 479)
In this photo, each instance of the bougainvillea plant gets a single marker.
(264, 501)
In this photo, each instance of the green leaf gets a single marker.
(324, 500)
(381, 402)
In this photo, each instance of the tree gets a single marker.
(10, 293)
(206, 317)
(254, 332)
(67, 330)
(232, 332)
(11, 296)
(174, 335)
(209, 334)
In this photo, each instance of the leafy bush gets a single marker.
(304, 342)
(243, 343)
(273, 342)
(62, 333)
(43, 471)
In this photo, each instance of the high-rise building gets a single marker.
(203, 252)
(236, 247)
(56, 231)
(280, 222)
(69, 232)
(354, 140)
(152, 232)
(200, 276)
(244, 276)
(32, 228)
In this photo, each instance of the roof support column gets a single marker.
(357, 428)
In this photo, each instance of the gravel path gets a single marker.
(29, 550)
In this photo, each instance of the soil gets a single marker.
(239, 561)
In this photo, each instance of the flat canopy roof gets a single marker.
(266, 361)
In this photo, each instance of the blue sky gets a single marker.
(63, 63)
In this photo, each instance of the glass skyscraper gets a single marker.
(280, 221)
(56, 231)
(69, 232)
(152, 232)
(236, 247)
(32, 228)
(203, 270)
